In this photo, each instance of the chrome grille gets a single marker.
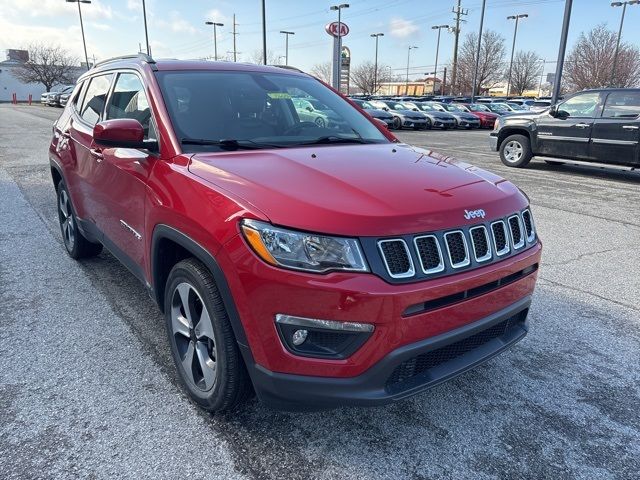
(397, 258)
(443, 252)
(515, 227)
(429, 253)
(457, 248)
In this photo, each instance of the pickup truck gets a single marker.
(600, 127)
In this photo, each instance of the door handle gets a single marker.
(97, 154)
(583, 125)
(630, 127)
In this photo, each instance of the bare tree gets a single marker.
(48, 65)
(322, 71)
(590, 63)
(491, 66)
(256, 57)
(364, 77)
(525, 72)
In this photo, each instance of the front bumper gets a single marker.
(493, 141)
(444, 124)
(404, 372)
(414, 123)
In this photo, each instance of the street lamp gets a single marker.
(84, 43)
(439, 28)
(375, 67)
(215, 37)
(406, 83)
(513, 47)
(338, 56)
(286, 45)
(615, 56)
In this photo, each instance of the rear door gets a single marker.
(567, 134)
(616, 133)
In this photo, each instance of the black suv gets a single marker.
(594, 126)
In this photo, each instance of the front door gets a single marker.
(567, 134)
(616, 134)
(125, 172)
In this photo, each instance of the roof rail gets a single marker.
(140, 56)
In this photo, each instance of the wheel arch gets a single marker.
(515, 130)
(169, 246)
(56, 173)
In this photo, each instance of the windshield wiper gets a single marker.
(331, 139)
(229, 143)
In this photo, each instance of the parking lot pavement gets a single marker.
(87, 387)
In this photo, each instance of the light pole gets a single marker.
(375, 65)
(561, 51)
(406, 82)
(84, 43)
(475, 72)
(338, 56)
(286, 45)
(439, 28)
(513, 47)
(146, 32)
(215, 37)
(264, 33)
(615, 55)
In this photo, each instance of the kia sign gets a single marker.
(336, 29)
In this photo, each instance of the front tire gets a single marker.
(204, 348)
(75, 242)
(397, 123)
(515, 151)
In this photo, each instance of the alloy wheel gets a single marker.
(67, 222)
(513, 151)
(193, 335)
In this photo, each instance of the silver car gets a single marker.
(403, 116)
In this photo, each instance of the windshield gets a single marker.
(453, 108)
(478, 107)
(222, 110)
(499, 107)
(426, 107)
(366, 105)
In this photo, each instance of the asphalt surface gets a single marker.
(88, 390)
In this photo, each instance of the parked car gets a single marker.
(310, 113)
(463, 118)
(437, 119)
(594, 126)
(64, 98)
(486, 116)
(525, 103)
(540, 105)
(53, 99)
(498, 108)
(376, 113)
(316, 266)
(403, 116)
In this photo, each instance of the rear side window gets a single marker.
(76, 101)
(94, 98)
(128, 100)
(622, 105)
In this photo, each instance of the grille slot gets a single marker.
(413, 371)
(500, 242)
(529, 229)
(481, 245)
(397, 258)
(457, 249)
(429, 253)
(515, 227)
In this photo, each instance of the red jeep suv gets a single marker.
(317, 265)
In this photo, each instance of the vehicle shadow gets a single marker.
(584, 171)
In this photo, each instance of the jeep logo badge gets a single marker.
(474, 214)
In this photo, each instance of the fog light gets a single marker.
(299, 336)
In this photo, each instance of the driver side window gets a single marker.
(582, 105)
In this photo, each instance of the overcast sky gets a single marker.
(177, 30)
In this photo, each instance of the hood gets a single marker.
(375, 113)
(441, 115)
(409, 113)
(359, 190)
(486, 114)
(465, 115)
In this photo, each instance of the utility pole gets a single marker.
(439, 28)
(615, 55)
(375, 67)
(474, 87)
(513, 47)
(286, 45)
(561, 51)
(235, 34)
(459, 12)
(264, 33)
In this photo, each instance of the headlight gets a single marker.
(303, 251)
(496, 125)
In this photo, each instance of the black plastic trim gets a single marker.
(297, 392)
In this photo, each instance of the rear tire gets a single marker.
(397, 123)
(515, 151)
(204, 348)
(75, 242)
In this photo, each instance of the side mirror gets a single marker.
(309, 109)
(415, 109)
(121, 133)
(386, 109)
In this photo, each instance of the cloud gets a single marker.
(215, 15)
(53, 8)
(401, 28)
(100, 26)
(176, 23)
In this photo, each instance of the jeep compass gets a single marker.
(315, 264)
